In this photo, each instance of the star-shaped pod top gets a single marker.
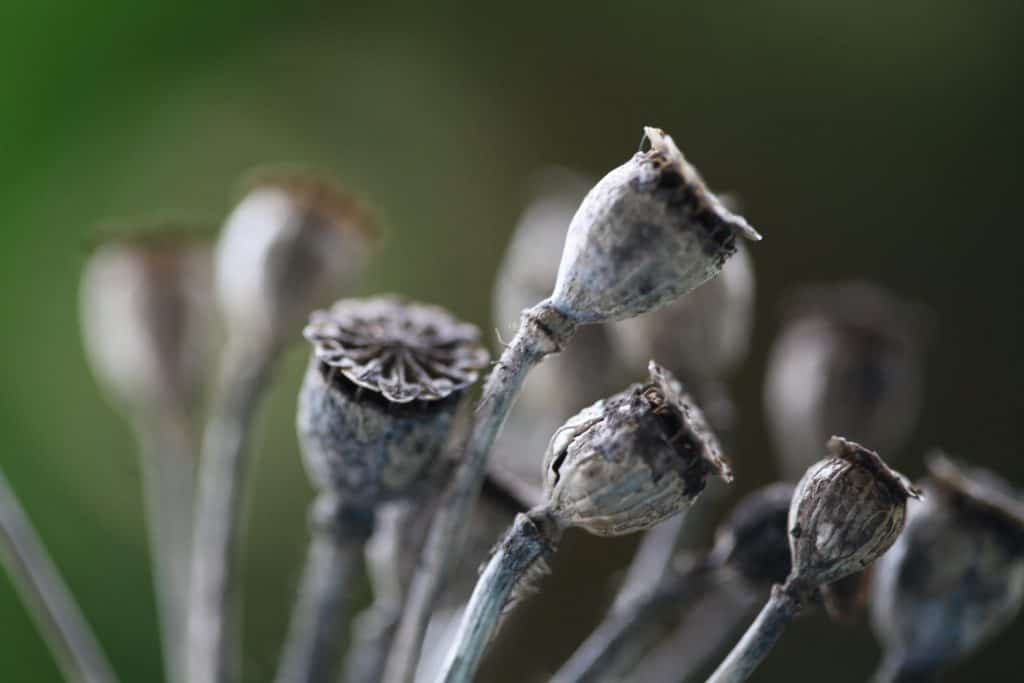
(402, 350)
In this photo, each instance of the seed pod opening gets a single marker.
(847, 510)
(647, 233)
(380, 394)
(630, 461)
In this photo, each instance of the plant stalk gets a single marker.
(47, 597)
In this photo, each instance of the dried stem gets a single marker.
(760, 638)
(312, 650)
(47, 597)
(542, 331)
(212, 646)
(525, 544)
(168, 469)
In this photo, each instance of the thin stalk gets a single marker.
(760, 638)
(47, 597)
(312, 650)
(212, 642)
(543, 331)
(524, 545)
(168, 470)
(650, 563)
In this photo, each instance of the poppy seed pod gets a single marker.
(955, 578)
(147, 317)
(754, 538)
(291, 243)
(647, 233)
(849, 360)
(380, 394)
(847, 510)
(631, 461)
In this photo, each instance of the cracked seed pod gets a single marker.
(849, 360)
(380, 394)
(754, 539)
(847, 510)
(631, 461)
(293, 242)
(703, 336)
(147, 316)
(955, 578)
(647, 233)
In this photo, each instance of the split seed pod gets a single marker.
(380, 394)
(847, 511)
(955, 578)
(147, 317)
(647, 233)
(292, 243)
(631, 461)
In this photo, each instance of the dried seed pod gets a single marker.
(703, 336)
(847, 510)
(380, 394)
(630, 461)
(647, 233)
(291, 243)
(754, 539)
(849, 360)
(955, 578)
(147, 317)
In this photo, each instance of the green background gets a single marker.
(868, 139)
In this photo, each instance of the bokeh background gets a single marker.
(877, 140)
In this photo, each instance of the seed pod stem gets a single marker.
(761, 637)
(319, 621)
(543, 331)
(211, 638)
(46, 596)
(528, 542)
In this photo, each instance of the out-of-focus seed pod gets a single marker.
(146, 317)
(754, 538)
(647, 233)
(293, 242)
(380, 394)
(955, 578)
(849, 360)
(630, 461)
(847, 510)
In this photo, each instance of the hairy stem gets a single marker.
(542, 331)
(760, 638)
(523, 546)
(312, 650)
(212, 644)
(47, 597)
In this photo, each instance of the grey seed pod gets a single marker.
(631, 461)
(147, 317)
(955, 578)
(293, 241)
(647, 233)
(754, 538)
(701, 337)
(848, 360)
(380, 394)
(847, 510)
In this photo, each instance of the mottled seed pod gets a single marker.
(380, 394)
(293, 242)
(754, 539)
(631, 461)
(647, 233)
(147, 316)
(847, 510)
(849, 360)
(701, 337)
(955, 578)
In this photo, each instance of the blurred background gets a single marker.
(879, 141)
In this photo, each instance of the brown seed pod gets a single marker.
(630, 461)
(847, 510)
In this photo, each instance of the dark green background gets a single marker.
(866, 139)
